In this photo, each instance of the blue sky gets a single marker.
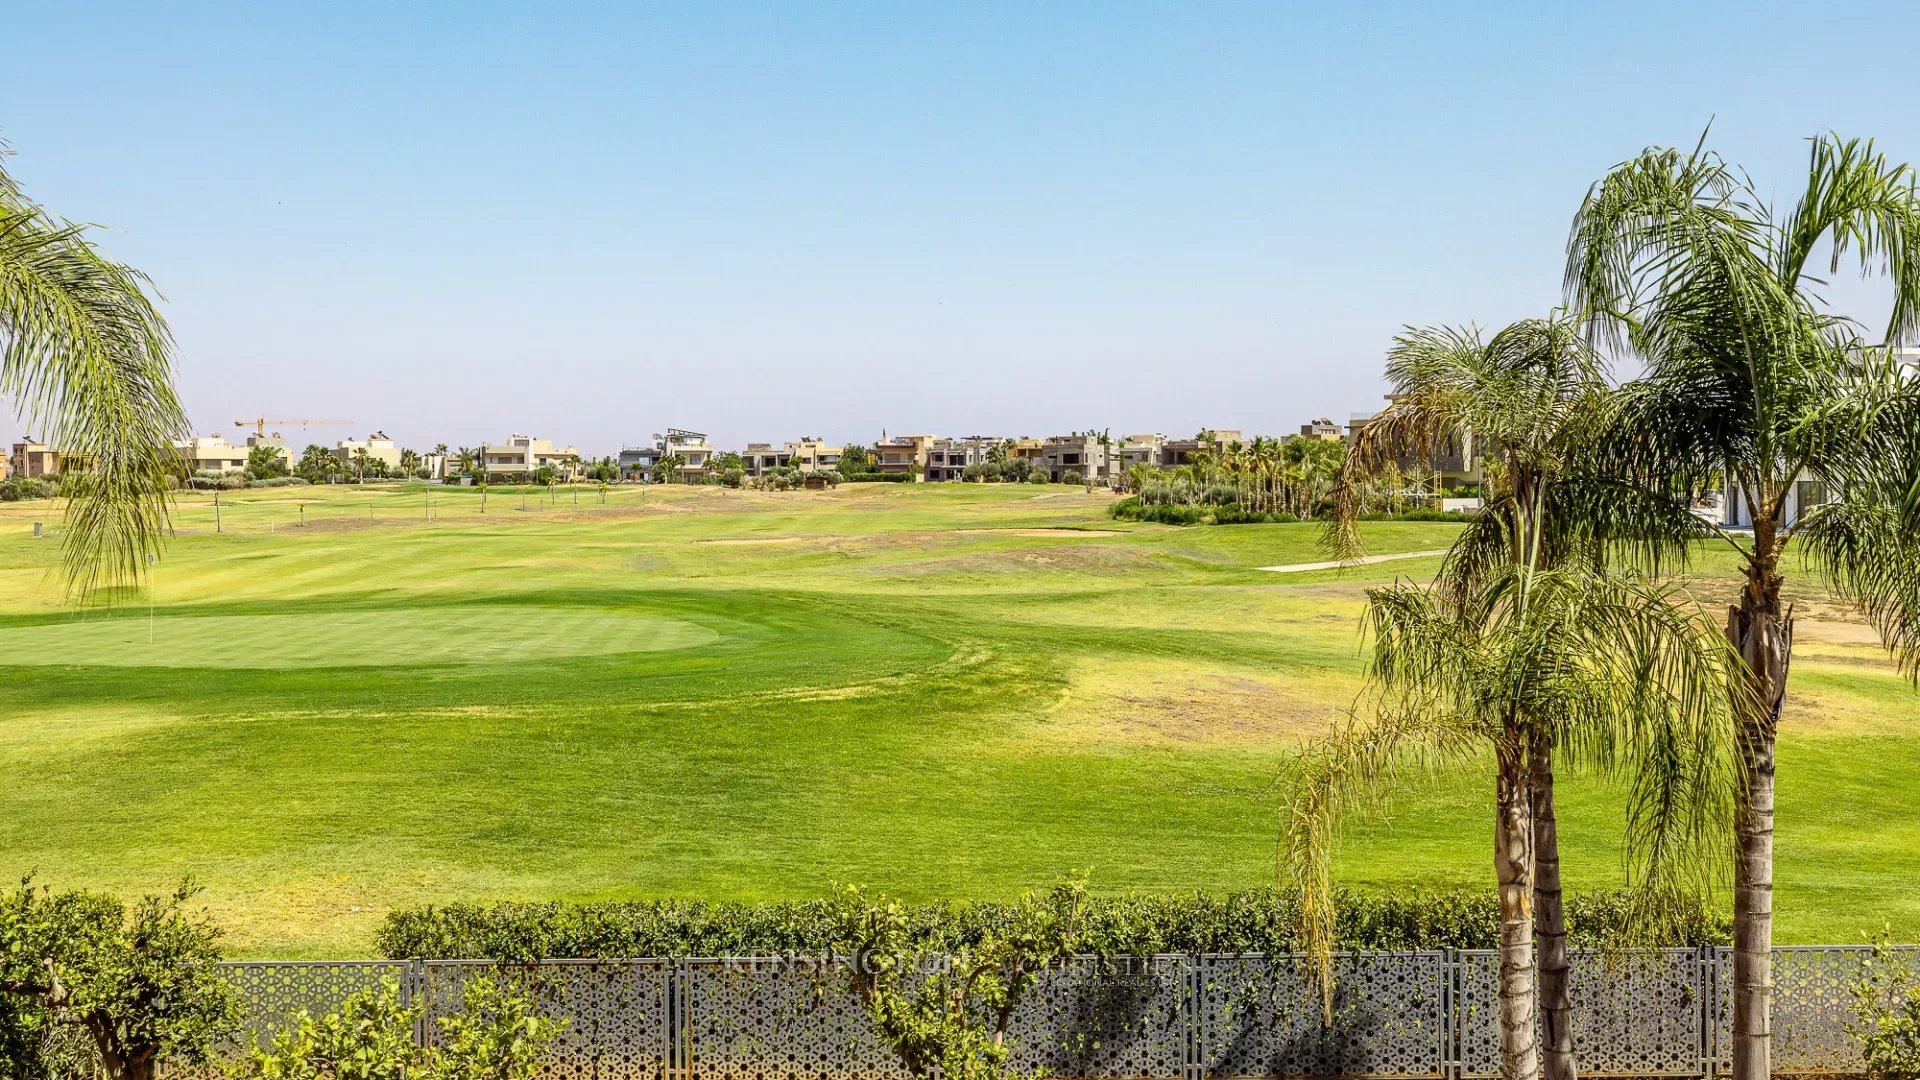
(770, 220)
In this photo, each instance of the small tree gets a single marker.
(142, 984)
(854, 461)
(316, 464)
(952, 1018)
(266, 461)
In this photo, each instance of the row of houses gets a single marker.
(518, 455)
(1091, 456)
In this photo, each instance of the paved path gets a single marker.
(1364, 560)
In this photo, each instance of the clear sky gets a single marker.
(769, 220)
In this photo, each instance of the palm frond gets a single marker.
(88, 360)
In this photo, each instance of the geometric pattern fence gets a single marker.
(1412, 1014)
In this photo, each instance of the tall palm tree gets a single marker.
(87, 358)
(1535, 392)
(1684, 265)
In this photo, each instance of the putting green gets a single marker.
(471, 635)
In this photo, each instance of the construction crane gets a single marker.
(259, 423)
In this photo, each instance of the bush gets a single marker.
(1037, 476)
(209, 480)
(498, 1035)
(1886, 1016)
(876, 477)
(16, 488)
(142, 984)
(1254, 921)
(1072, 477)
(1132, 508)
(280, 481)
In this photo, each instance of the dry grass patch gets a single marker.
(1150, 703)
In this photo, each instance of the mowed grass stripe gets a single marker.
(472, 635)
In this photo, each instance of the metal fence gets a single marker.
(1412, 1014)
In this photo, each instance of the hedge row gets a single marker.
(877, 477)
(1255, 921)
(1132, 509)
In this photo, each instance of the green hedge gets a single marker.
(877, 477)
(1132, 509)
(1255, 921)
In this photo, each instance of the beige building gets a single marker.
(1025, 449)
(902, 454)
(696, 453)
(522, 455)
(212, 453)
(278, 445)
(1321, 430)
(378, 447)
(1140, 450)
(1177, 452)
(807, 454)
(30, 458)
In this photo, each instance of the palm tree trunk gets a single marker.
(1550, 921)
(1513, 864)
(1763, 634)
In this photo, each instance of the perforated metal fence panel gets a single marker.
(1406, 1015)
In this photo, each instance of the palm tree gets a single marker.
(667, 469)
(87, 358)
(1611, 669)
(1535, 391)
(361, 459)
(1682, 263)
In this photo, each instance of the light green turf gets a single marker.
(452, 635)
(931, 690)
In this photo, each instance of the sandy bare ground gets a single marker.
(1364, 560)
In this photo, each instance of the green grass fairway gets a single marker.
(449, 635)
(349, 699)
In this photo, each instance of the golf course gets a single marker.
(342, 699)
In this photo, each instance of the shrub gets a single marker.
(498, 1035)
(1886, 1015)
(1253, 921)
(1132, 508)
(280, 481)
(16, 488)
(734, 478)
(142, 984)
(1037, 476)
(1072, 476)
(209, 480)
(875, 477)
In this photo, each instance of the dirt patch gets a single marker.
(1128, 703)
(754, 540)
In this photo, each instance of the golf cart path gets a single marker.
(1364, 560)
